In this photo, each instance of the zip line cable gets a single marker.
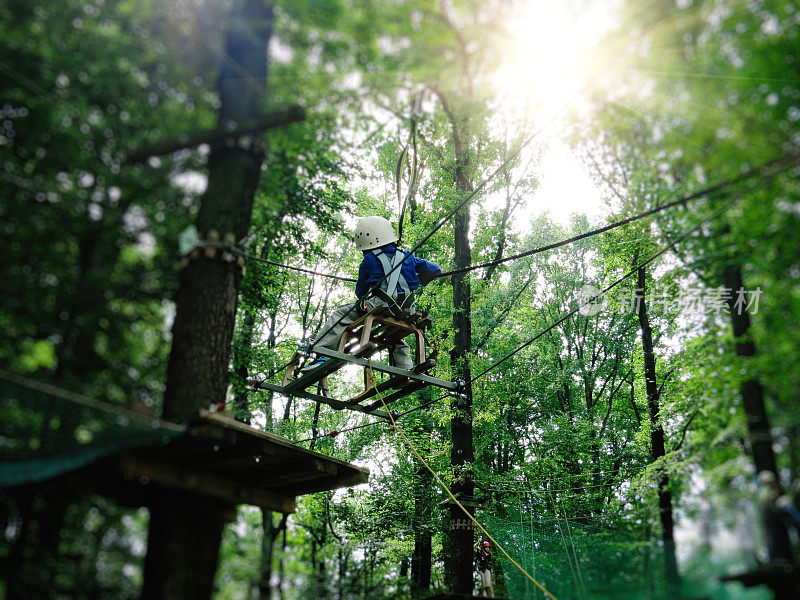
(439, 225)
(300, 269)
(680, 201)
(552, 326)
(782, 163)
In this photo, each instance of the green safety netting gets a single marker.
(46, 431)
(580, 562)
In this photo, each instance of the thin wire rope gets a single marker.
(552, 326)
(468, 199)
(573, 574)
(574, 552)
(680, 201)
(444, 486)
(564, 477)
(89, 402)
(300, 269)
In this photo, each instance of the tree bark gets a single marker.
(752, 393)
(268, 537)
(461, 453)
(421, 560)
(657, 447)
(185, 532)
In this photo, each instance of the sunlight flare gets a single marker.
(553, 57)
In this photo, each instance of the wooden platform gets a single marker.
(371, 333)
(224, 459)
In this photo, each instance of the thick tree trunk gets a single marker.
(185, 533)
(657, 446)
(779, 547)
(461, 454)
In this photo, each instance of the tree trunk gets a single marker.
(657, 447)
(185, 532)
(461, 454)
(423, 539)
(779, 547)
(267, 540)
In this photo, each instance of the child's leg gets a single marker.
(401, 354)
(333, 330)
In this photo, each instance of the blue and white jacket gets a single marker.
(372, 270)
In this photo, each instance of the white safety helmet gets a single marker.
(374, 232)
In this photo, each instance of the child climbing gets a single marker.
(376, 238)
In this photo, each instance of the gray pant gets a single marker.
(401, 352)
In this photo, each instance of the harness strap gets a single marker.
(396, 278)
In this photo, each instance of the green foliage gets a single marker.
(562, 431)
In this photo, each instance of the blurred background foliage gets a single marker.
(684, 95)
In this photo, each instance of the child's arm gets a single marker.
(369, 273)
(426, 270)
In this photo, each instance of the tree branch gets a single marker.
(273, 120)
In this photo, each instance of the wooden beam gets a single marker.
(378, 366)
(315, 472)
(311, 377)
(381, 387)
(332, 483)
(402, 392)
(202, 483)
(337, 404)
(273, 120)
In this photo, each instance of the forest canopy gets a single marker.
(610, 188)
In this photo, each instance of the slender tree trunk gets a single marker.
(421, 559)
(423, 539)
(267, 540)
(657, 447)
(185, 532)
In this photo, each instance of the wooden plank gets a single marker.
(330, 483)
(404, 391)
(381, 387)
(424, 366)
(317, 471)
(337, 404)
(206, 484)
(392, 382)
(389, 369)
(311, 377)
(272, 438)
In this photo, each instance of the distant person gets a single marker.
(483, 556)
(376, 239)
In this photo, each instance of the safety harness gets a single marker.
(397, 300)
